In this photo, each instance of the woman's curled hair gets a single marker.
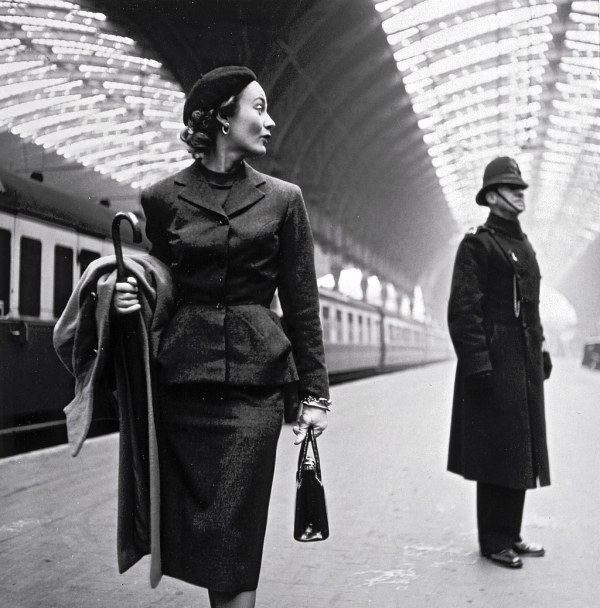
(201, 133)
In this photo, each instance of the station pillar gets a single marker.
(384, 294)
(336, 268)
(364, 285)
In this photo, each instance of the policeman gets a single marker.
(498, 430)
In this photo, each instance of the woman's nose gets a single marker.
(269, 122)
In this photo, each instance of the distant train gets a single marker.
(47, 240)
(363, 338)
(591, 353)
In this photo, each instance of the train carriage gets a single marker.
(47, 240)
(351, 333)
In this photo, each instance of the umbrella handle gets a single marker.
(116, 237)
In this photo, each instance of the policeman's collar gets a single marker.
(509, 227)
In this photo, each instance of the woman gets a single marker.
(231, 236)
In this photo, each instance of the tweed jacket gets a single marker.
(83, 342)
(227, 262)
(494, 322)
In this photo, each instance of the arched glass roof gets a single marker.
(484, 78)
(489, 78)
(71, 82)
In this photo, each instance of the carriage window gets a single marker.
(326, 324)
(360, 328)
(63, 278)
(339, 330)
(4, 271)
(369, 334)
(86, 257)
(350, 328)
(30, 278)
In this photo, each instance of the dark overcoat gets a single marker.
(226, 263)
(494, 323)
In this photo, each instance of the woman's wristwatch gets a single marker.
(318, 402)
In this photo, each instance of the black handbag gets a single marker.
(311, 521)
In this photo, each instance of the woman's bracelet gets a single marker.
(318, 402)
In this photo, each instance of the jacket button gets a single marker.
(220, 306)
(525, 325)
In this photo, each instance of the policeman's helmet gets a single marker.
(501, 171)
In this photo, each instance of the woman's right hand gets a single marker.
(310, 416)
(125, 297)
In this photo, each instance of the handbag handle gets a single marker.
(310, 438)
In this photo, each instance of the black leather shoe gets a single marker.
(505, 557)
(529, 549)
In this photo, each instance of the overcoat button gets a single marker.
(220, 306)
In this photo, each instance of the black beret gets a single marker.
(215, 87)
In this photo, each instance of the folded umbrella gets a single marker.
(134, 508)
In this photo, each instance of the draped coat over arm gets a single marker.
(499, 438)
(83, 341)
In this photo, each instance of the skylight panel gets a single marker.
(430, 10)
(472, 29)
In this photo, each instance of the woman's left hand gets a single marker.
(310, 416)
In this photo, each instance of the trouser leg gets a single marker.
(519, 515)
(499, 516)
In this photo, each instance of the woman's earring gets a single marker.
(225, 128)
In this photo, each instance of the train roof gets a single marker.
(327, 294)
(331, 294)
(19, 195)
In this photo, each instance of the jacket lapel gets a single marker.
(245, 191)
(196, 189)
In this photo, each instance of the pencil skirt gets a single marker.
(217, 448)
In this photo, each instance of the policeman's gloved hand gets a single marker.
(480, 385)
(547, 361)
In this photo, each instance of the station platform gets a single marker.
(403, 530)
